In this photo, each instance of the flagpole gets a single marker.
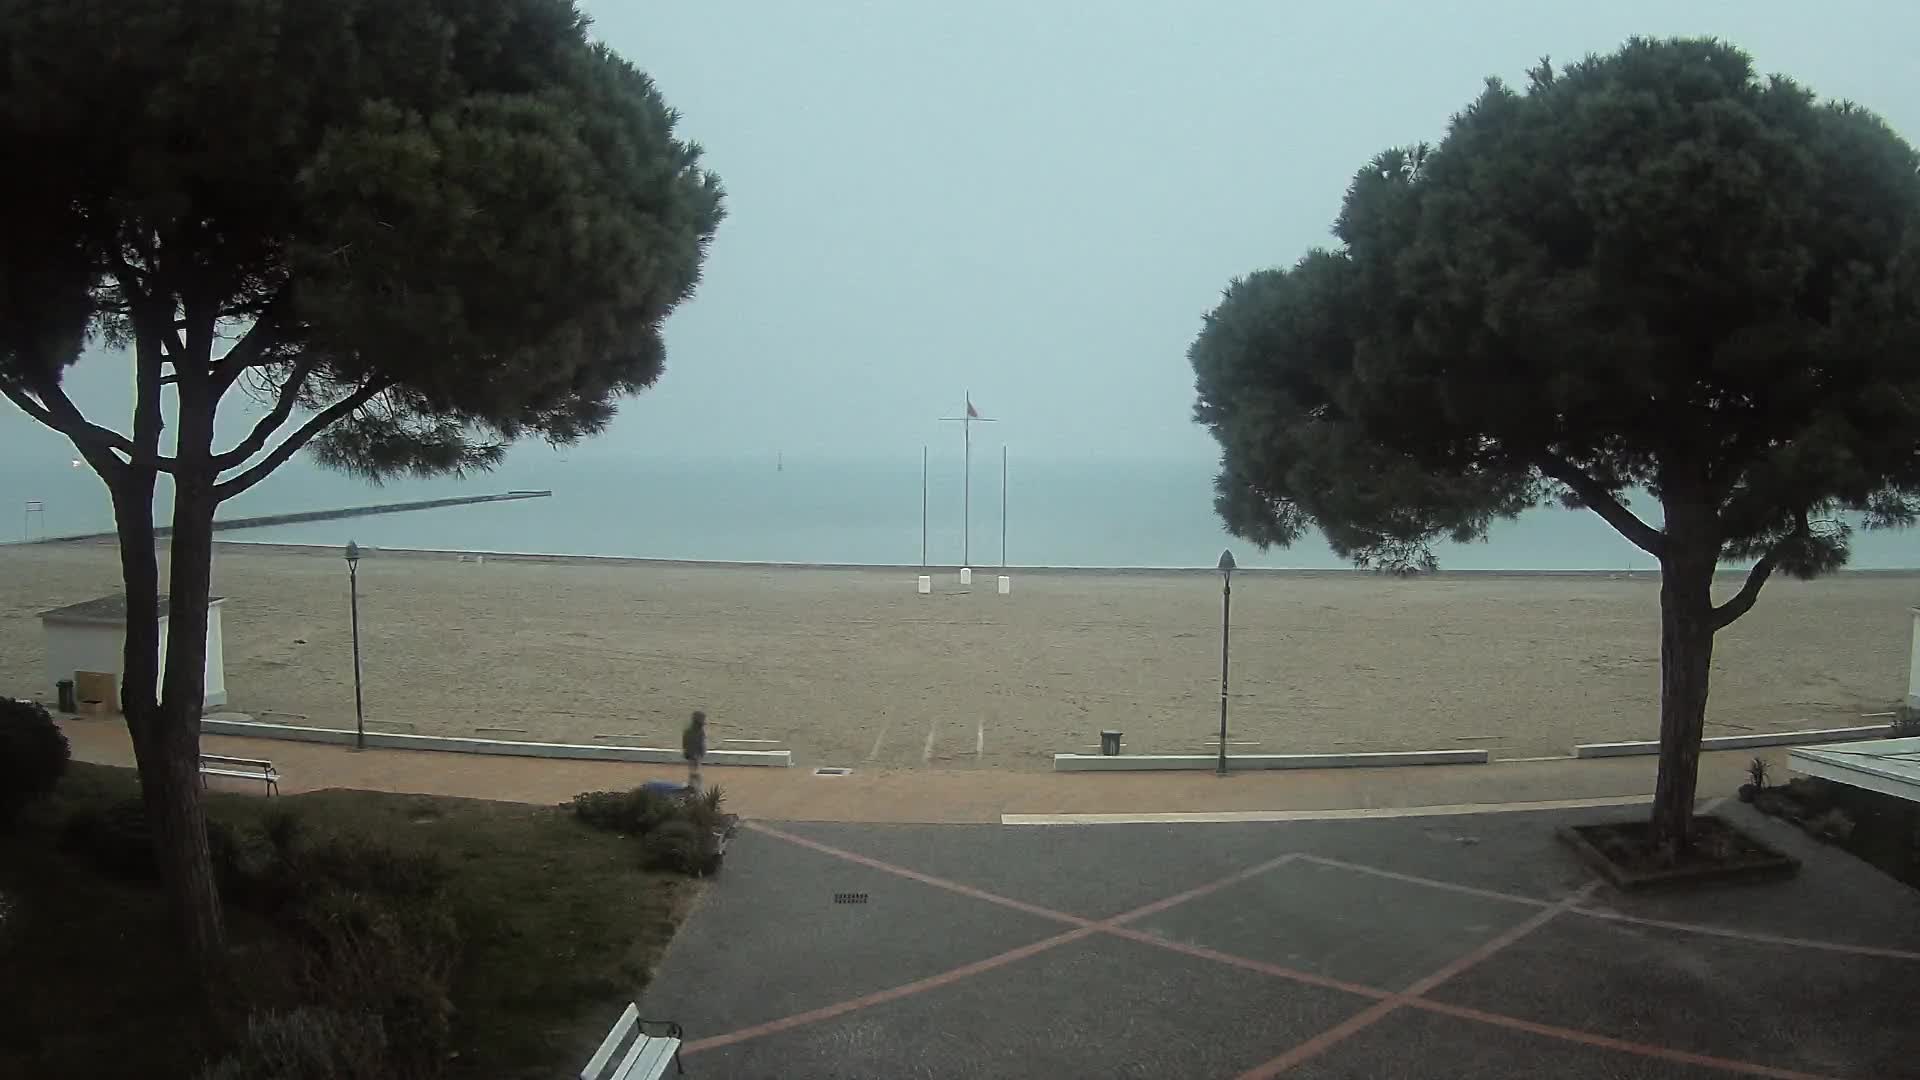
(923, 506)
(1003, 506)
(966, 420)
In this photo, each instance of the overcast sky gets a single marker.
(1039, 205)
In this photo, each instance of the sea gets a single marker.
(795, 509)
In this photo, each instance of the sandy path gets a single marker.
(852, 668)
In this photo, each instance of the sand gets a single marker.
(852, 668)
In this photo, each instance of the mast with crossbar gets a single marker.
(966, 420)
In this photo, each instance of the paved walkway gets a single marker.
(1468, 947)
(936, 796)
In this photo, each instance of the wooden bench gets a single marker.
(646, 1055)
(240, 768)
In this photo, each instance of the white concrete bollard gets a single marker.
(1006, 585)
(966, 575)
(925, 587)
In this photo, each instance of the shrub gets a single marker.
(307, 1044)
(33, 755)
(1832, 825)
(115, 838)
(1757, 772)
(678, 846)
(361, 865)
(394, 959)
(635, 813)
(118, 840)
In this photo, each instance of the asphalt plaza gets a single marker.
(1412, 947)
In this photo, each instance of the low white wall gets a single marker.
(390, 740)
(1237, 762)
(1733, 742)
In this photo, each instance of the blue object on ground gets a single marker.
(665, 787)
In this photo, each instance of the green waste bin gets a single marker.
(69, 702)
(1109, 743)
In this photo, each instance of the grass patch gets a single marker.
(559, 928)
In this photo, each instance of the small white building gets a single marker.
(92, 637)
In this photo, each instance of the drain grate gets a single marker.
(849, 898)
(833, 770)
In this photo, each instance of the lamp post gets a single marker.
(353, 591)
(1226, 609)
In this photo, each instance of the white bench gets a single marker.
(646, 1056)
(240, 768)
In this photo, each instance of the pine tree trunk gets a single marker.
(1686, 660)
(172, 785)
(171, 775)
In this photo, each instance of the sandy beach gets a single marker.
(852, 668)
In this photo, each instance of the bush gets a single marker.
(1832, 825)
(33, 755)
(679, 846)
(393, 959)
(116, 839)
(307, 1044)
(634, 813)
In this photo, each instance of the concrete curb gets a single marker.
(389, 740)
(1735, 742)
(1239, 762)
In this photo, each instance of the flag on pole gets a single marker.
(972, 413)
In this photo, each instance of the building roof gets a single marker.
(1888, 766)
(104, 611)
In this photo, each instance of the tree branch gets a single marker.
(1742, 601)
(325, 418)
(262, 335)
(57, 411)
(1601, 501)
(270, 423)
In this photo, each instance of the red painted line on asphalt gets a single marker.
(1607, 1042)
(1086, 927)
(1195, 893)
(881, 997)
(1749, 935)
(1261, 966)
(1432, 883)
(1366, 1018)
(1493, 945)
(1386, 1001)
(924, 879)
(1617, 916)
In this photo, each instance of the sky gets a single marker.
(1037, 202)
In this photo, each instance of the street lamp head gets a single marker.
(1226, 563)
(353, 554)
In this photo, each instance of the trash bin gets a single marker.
(1109, 743)
(69, 701)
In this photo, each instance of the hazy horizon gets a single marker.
(1038, 206)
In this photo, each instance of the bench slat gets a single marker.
(612, 1042)
(647, 1060)
(652, 1063)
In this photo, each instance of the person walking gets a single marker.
(693, 743)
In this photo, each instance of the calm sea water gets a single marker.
(1156, 514)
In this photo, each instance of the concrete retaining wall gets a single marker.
(389, 740)
(1237, 762)
(1735, 742)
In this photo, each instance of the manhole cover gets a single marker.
(831, 771)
